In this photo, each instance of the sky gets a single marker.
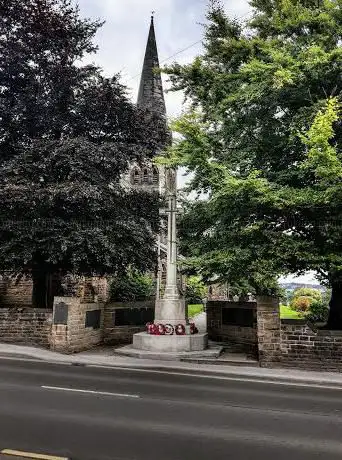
(178, 23)
(122, 39)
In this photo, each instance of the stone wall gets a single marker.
(95, 289)
(306, 348)
(28, 326)
(295, 343)
(121, 320)
(15, 291)
(74, 329)
(234, 324)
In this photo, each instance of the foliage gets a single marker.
(310, 292)
(196, 290)
(263, 143)
(68, 135)
(302, 303)
(319, 312)
(133, 286)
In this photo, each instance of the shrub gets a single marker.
(307, 292)
(302, 303)
(132, 287)
(319, 312)
(196, 290)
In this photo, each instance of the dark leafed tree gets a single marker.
(263, 141)
(67, 137)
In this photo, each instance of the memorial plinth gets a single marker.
(170, 310)
(170, 343)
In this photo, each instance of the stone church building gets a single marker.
(17, 291)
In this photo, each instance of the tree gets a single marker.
(67, 138)
(303, 303)
(263, 141)
(195, 290)
(132, 286)
(308, 292)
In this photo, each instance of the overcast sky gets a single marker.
(122, 39)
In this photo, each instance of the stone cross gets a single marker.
(171, 289)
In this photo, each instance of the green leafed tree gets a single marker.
(263, 142)
(67, 137)
(309, 292)
(132, 287)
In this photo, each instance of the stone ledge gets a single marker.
(326, 332)
(170, 343)
(209, 353)
(294, 322)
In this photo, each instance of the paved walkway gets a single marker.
(105, 357)
(201, 322)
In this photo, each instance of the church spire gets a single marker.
(151, 93)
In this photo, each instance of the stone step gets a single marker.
(228, 359)
(128, 350)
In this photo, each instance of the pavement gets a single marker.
(105, 357)
(102, 413)
(201, 322)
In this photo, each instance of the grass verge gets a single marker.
(194, 310)
(288, 313)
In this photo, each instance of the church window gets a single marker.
(135, 176)
(146, 176)
(155, 176)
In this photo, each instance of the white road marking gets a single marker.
(92, 392)
(324, 385)
(249, 379)
(30, 455)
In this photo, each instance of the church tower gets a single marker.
(151, 94)
(151, 97)
(148, 176)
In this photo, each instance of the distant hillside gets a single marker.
(293, 286)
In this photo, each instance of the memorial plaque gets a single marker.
(242, 317)
(93, 319)
(61, 314)
(133, 316)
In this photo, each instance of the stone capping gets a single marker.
(315, 327)
(247, 305)
(131, 304)
(326, 332)
(294, 322)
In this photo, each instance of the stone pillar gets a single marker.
(171, 289)
(268, 330)
(76, 326)
(171, 309)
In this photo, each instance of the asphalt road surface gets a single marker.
(117, 414)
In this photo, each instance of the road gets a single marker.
(118, 414)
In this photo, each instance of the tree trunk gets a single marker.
(54, 288)
(40, 288)
(46, 286)
(335, 313)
